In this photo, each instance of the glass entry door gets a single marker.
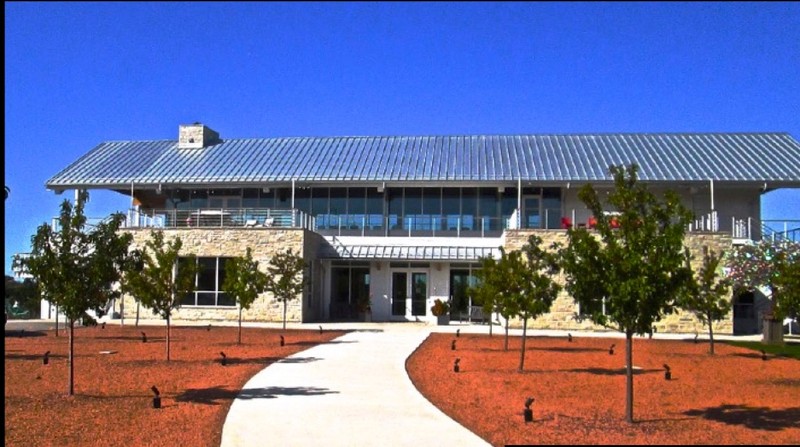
(409, 294)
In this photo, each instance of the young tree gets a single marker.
(531, 280)
(286, 278)
(78, 269)
(164, 277)
(635, 271)
(243, 282)
(486, 291)
(774, 265)
(708, 295)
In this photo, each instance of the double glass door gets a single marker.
(409, 294)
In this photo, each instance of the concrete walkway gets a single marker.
(352, 391)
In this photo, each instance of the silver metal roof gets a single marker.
(757, 157)
(428, 253)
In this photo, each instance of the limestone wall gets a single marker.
(229, 242)
(564, 308)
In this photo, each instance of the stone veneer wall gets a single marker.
(230, 242)
(564, 308)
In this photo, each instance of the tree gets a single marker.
(772, 264)
(707, 297)
(78, 269)
(164, 277)
(23, 294)
(532, 283)
(631, 279)
(486, 291)
(286, 278)
(519, 284)
(243, 282)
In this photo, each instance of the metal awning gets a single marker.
(427, 253)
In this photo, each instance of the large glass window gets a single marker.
(374, 206)
(319, 206)
(551, 207)
(413, 208)
(469, 209)
(488, 203)
(302, 199)
(338, 207)
(395, 196)
(208, 283)
(432, 207)
(451, 208)
(349, 286)
(356, 203)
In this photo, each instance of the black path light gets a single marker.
(763, 355)
(224, 360)
(528, 411)
(103, 325)
(157, 398)
(458, 333)
(282, 341)
(144, 337)
(46, 358)
(453, 345)
(569, 337)
(695, 337)
(22, 333)
(667, 372)
(455, 366)
(611, 349)
(320, 329)
(208, 328)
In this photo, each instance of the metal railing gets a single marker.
(219, 218)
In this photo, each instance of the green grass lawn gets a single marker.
(790, 347)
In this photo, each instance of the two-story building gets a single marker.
(403, 221)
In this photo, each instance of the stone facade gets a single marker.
(564, 308)
(230, 242)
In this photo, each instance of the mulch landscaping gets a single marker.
(113, 401)
(732, 397)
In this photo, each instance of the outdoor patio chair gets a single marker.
(251, 223)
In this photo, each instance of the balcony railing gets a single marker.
(219, 218)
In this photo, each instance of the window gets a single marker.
(585, 312)
(208, 284)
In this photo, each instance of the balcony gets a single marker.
(219, 218)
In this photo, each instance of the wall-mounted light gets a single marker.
(501, 189)
(382, 187)
(265, 190)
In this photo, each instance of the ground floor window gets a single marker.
(462, 277)
(208, 283)
(349, 287)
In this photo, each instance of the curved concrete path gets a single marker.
(352, 391)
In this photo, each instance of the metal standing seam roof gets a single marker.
(756, 157)
(427, 253)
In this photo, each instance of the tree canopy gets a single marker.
(629, 275)
(243, 282)
(286, 279)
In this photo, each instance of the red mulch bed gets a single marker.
(113, 404)
(733, 397)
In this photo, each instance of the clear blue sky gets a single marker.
(77, 74)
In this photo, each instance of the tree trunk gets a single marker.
(522, 352)
(710, 337)
(56, 320)
(71, 380)
(284, 314)
(505, 346)
(122, 311)
(167, 337)
(490, 324)
(629, 376)
(137, 314)
(240, 324)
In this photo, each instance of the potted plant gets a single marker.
(441, 309)
(364, 308)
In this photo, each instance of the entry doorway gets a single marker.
(409, 298)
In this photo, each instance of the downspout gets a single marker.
(519, 202)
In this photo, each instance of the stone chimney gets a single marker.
(196, 136)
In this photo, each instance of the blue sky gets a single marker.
(77, 74)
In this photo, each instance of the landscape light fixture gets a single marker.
(569, 337)
(667, 372)
(282, 342)
(224, 360)
(455, 366)
(453, 346)
(611, 350)
(144, 337)
(528, 411)
(46, 358)
(157, 398)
